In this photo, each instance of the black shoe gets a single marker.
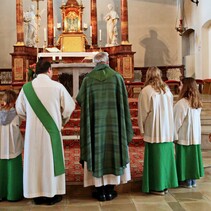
(111, 195)
(54, 200)
(110, 192)
(99, 196)
(40, 200)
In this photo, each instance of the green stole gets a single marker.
(49, 124)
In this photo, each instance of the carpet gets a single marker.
(74, 170)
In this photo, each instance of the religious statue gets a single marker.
(112, 18)
(30, 21)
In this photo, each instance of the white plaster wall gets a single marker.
(151, 28)
(199, 18)
(158, 19)
(7, 31)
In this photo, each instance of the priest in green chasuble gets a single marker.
(106, 129)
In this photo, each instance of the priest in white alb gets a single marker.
(46, 105)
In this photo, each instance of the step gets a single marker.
(206, 112)
(206, 137)
(134, 112)
(136, 138)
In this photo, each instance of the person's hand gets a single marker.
(175, 141)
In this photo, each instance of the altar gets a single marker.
(74, 69)
(72, 46)
(59, 56)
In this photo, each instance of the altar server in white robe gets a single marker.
(46, 105)
(187, 134)
(155, 118)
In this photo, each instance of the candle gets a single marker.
(54, 58)
(85, 26)
(90, 31)
(54, 31)
(45, 35)
(100, 35)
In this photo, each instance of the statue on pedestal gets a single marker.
(30, 21)
(111, 18)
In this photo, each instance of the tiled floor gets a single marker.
(130, 198)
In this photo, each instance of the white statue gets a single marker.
(30, 21)
(112, 18)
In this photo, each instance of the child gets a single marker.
(155, 116)
(187, 134)
(11, 144)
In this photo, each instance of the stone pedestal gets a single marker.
(21, 59)
(121, 59)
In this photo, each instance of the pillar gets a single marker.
(19, 23)
(50, 23)
(94, 22)
(124, 22)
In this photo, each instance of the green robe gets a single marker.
(105, 128)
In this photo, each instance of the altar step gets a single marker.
(206, 122)
(71, 139)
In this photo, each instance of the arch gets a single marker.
(206, 50)
(188, 52)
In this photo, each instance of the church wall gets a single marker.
(198, 18)
(7, 32)
(153, 34)
(151, 22)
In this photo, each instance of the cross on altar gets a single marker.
(37, 25)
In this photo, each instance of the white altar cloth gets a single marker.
(60, 55)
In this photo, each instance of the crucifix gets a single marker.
(37, 25)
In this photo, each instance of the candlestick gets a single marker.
(45, 35)
(100, 35)
(44, 46)
(54, 31)
(100, 45)
(90, 31)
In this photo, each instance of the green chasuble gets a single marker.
(106, 128)
(49, 125)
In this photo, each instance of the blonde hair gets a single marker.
(153, 78)
(190, 92)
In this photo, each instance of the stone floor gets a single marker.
(130, 198)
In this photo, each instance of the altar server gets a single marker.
(11, 146)
(46, 105)
(106, 129)
(155, 118)
(187, 134)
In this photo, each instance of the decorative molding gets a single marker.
(18, 69)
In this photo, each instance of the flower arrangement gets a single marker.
(31, 72)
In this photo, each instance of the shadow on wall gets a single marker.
(169, 2)
(156, 52)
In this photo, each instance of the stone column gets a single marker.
(94, 22)
(124, 22)
(50, 23)
(19, 23)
